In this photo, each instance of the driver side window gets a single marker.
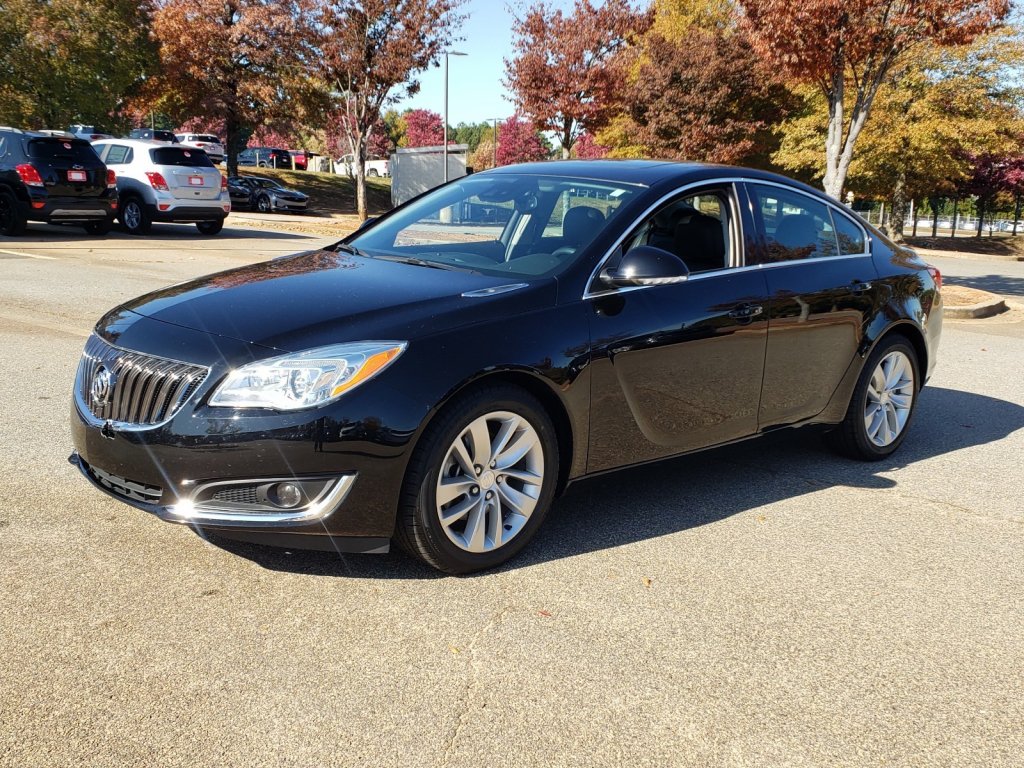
(696, 227)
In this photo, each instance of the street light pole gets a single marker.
(446, 55)
(494, 143)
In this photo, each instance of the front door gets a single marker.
(678, 367)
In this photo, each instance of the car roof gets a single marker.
(646, 172)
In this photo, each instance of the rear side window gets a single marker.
(3, 146)
(62, 149)
(194, 158)
(851, 237)
(796, 226)
(118, 154)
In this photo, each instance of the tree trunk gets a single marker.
(360, 163)
(231, 129)
(566, 140)
(898, 208)
(913, 215)
(981, 215)
(934, 201)
(1016, 213)
(956, 212)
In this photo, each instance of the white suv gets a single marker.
(207, 142)
(165, 182)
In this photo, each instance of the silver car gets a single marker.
(165, 183)
(207, 142)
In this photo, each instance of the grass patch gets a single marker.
(1001, 244)
(329, 192)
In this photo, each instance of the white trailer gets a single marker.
(416, 170)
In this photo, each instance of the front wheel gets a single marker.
(263, 204)
(882, 405)
(210, 227)
(372, 173)
(481, 481)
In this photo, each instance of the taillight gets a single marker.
(936, 276)
(95, 136)
(157, 180)
(111, 179)
(223, 183)
(200, 144)
(28, 174)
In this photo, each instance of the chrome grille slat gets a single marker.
(146, 390)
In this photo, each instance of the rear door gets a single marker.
(189, 173)
(69, 167)
(819, 269)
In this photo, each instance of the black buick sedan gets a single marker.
(438, 377)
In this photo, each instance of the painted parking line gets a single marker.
(28, 255)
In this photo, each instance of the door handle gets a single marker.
(746, 311)
(860, 286)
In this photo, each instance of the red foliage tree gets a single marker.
(836, 43)
(588, 149)
(423, 128)
(565, 70)
(708, 97)
(222, 63)
(519, 142)
(370, 51)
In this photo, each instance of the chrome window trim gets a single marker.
(733, 180)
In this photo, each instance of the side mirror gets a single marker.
(646, 265)
(367, 222)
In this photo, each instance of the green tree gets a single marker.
(65, 61)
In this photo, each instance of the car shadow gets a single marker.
(51, 233)
(676, 495)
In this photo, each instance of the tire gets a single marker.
(134, 217)
(261, 164)
(879, 414)
(264, 205)
(12, 221)
(372, 173)
(210, 227)
(98, 228)
(501, 505)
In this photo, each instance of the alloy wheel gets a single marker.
(890, 397)
(132, 215)
(490, 480)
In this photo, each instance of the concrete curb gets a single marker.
(987, 308)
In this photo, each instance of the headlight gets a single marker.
(306, 379)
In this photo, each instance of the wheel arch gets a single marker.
(536, 385)
(912, 333)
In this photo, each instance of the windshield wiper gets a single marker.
(424, 263)
(349, 249)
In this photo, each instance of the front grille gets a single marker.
(130, 489)
(133, 388)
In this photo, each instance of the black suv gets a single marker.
(55, 180)
(153, 135)
(265, 157)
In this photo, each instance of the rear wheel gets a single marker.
(882, 404)
(210, 227)
(12, 221)
(372, 173)
(481, 481)
(263, 204)
(134, 218)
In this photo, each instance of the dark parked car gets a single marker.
(53, 179)
(265, 195)
(265, 157)
(151, 134)
(440, 382)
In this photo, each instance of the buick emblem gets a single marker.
(102, 387)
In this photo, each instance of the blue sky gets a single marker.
(475, 90)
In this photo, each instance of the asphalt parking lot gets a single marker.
(767, 604)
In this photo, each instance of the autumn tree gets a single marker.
(519, 142)
(224, 62)
(838, 45)
(565, 67)
(369, 52)
(65, 61)
(484, 156)
(587, 148)
(423, 128)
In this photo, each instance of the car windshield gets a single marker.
(78, 150)
(500, 224)
(210, 139)
(195, 158)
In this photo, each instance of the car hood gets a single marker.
(326, 297)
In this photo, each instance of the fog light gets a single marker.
(287, 495)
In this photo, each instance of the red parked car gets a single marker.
(299, 159)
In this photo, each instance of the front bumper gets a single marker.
(289, 205)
